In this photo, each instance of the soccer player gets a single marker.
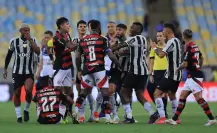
(23, 48)
(117, 76)
(138, 72)
(63, 45)
(193, 61)
(94, 47)
(81, 25)
(157, 69)
(48, 100)
(170, 82)
(45, 66)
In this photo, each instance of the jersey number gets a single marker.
(92, 54)
(196, 55)
(46, 107)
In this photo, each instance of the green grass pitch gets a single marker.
(192, 119)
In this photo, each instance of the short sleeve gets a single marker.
(106, 45)
(152, 54)
(11, 45)
(130, 41)
(186, 54)
(169, 47)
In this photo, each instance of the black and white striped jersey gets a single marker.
(25, 58)
(138, 51)
(173, 49)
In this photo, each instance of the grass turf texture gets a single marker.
(192, 119)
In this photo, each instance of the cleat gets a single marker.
(82, 120)
(26, 116)
(171, 122)
(161, 121)
(96, 116)
(108, 122)
(19, 120)
(178, 121)
(116, 120)
(153, 118)
(75, 118)
(128, 121)
(136, 121)
(210, 123)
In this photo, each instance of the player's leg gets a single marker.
(101, 80)
(99, 100)
(86, 83)
(91, 104)
(29, 82)
(139, 88)
(197, 88)
(126, 94)
(161, 88)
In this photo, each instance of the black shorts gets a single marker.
(19, 79)
(46, 120)
(158, 76)
(168, 85)
(137, 82)
(115, 76)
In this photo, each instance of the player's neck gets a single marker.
(81, 35)
(93, 32)
(62, 32)
(188, 41)
(23, 38)
(171, 36)
(112, 35)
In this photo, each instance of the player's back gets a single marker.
(192, 56)
(48, 101)
(93, 47)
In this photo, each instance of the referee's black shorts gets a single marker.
(137, 82)
(115, 76)
(167, 84)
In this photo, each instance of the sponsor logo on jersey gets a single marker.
(24, 55)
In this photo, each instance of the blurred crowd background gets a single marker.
(198, 15)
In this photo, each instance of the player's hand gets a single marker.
(79, 75)
(28, 36)
(153, 45)
(151, 78)
(5, 74)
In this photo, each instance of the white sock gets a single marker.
(62, 109)
(82, 109)
(148, 108)
(108, 117)
(113, 105)
(18, 112)
(99, 100)
(91, 102)
(128, 110)
(160, 107)
(174, 105)
(27, 105)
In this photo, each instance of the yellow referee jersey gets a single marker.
(159, 63)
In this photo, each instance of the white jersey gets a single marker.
(47, 67)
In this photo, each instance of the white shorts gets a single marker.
(98, 79)
(193, 85)
(63, 78)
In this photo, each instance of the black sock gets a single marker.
(165, 104)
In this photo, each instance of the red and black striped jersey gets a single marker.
(192, 56)
(63, 54)
(94, 48)
(48, 100)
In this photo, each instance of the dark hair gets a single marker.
(95, 24)
(123, 26)
(170, 26)
(140, 25)
(61, 21)
(49, 32)
(89, 22)
(81, 22)
(187, 33)
(44, 81)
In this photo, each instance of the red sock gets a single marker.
(179, 109)
(206, 108)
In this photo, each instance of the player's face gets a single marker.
(82, 28)
(66, 26)
(24, 31)
(111, 28)
(47, 37)
(160, 37)
(134, 29)
(120, 32)
(165, 32)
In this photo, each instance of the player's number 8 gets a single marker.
(92, 54)
(46, 107)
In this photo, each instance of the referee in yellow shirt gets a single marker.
(157, 69)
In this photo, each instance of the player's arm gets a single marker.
(113, 58)
(66, 42)
(151, 61)
(123, 52)
(201, 59)
(40, 65)
(159, 52)
(49, 49)
(185, 62)
(118, 46)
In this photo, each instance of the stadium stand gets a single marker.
(41, 15)
(201, 17)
